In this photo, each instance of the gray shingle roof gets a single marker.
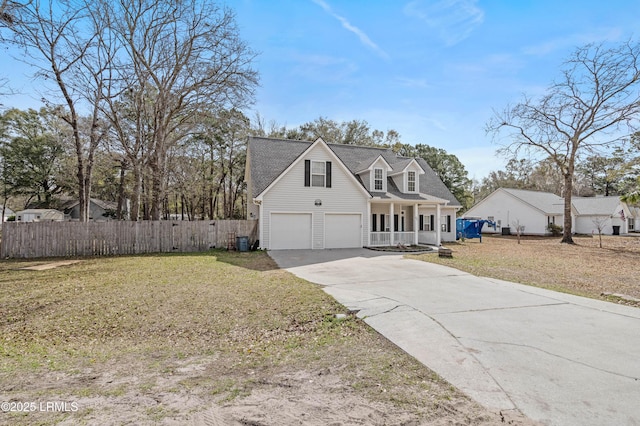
(268, 158)
(602, 206)
(399, 165)
(550, 204)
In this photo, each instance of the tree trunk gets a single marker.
(568, 189)
(87, 183)
(136, 197)
(158, 169)
(119, 212)
(82, 200)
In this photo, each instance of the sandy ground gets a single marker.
(290, 398)
(50, 265)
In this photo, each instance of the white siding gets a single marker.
(290, 195)
(399, 181)
(588, 225)
(444, 212)
(366, 178)
(509, 210)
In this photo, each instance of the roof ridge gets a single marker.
(530, 190)
(328, 143)
(279, 139)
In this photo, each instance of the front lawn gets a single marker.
(201, 338)
(583, 268)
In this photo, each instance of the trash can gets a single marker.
(506, 230)
(616, 230)
(242, 243)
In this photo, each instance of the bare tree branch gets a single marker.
(593, 105)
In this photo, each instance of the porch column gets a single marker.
(415, 224)
(368, 229)
(438, 226)
(260, 227)
(391, 226)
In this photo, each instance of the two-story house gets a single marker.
(314, 195)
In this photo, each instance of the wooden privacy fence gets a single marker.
(62, 239)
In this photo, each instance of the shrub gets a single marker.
(556, 230)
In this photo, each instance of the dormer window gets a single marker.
(411, 181)
(377, 179)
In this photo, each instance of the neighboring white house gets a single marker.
(39, 215)
(314, 195)
(608, 213)
(98, 209)
(532, 210)
(7, 214)
(535, 211)
(633, 219)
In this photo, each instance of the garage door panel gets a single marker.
(343, 230)
(290, 231)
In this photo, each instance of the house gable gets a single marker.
(375, 176)
(309, 154)
(316, 208)
(509, 210)
(408, 170)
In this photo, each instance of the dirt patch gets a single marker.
(309, 397)
(50, 265)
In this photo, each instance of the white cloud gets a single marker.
(364, 38)
(453, 20)
(572, 41)
(417, 83)
(323, 68)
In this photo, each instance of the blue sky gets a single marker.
(431, 69)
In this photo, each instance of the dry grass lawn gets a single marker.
(583, 269)
(216, 339)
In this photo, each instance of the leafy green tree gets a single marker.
(605, 174)
(450, 170)
(516, 175)
(354, 132)
(31, 152)
(631, 191)
(447, 166)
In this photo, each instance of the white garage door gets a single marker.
(342, 230)
(290, 231)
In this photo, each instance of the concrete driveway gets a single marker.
(558, 359)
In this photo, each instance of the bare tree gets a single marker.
(587, 109)
(185, 57)
(519, 228)
(600, 222)
(60, 41)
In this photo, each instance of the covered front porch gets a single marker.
(399, 223)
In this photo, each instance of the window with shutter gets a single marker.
(317, 173)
